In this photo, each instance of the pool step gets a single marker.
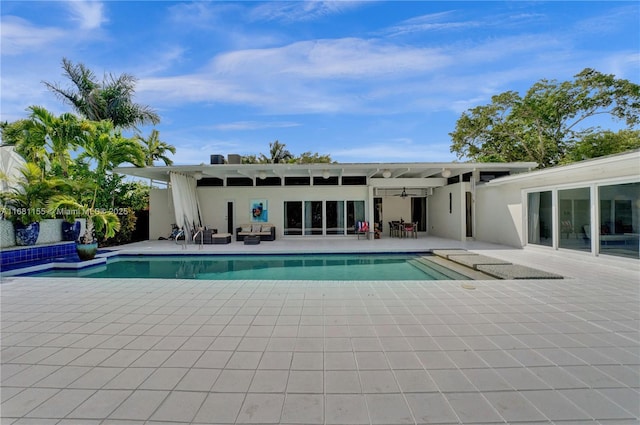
(449, 271)
(494, 267)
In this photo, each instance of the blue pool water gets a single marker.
(349, 267)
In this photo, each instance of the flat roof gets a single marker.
(371, 170)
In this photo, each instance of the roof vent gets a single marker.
(217, 159)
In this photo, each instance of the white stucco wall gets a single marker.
(213, 202)
(499, 215)
(441, 222)
(395, 208)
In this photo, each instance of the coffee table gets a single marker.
(252, 240)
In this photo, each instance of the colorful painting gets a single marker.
(259, 211)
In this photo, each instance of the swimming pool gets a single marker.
(348, 267)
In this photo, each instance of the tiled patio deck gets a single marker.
(203, 352)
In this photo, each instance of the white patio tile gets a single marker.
(152, 358)
(182, 358)
(233, 381)
(305, 409)
(24, 402)
(432, 408)
(521, 379)
(451, 380)
(415, 381)
(139, 406)
(100, 404)
(346, 409)
(378, 381)
(130, 378)
(122, 358)
(339, 361)
(596, 405)
(388, 409)
(164, 379)
(29, 376)
(373, 360)
(269, 381)
(220, 408)
(261, 409)
(179, 406)
(276, 360)
(198, 380)
(342, 382)
(213, 359)
(307, 361)
(304, 381)
(61, 404)
(627, 398)
(472, 408)
(513, 407)
(96, 378)
(555, 406)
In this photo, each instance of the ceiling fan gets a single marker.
(404, 193)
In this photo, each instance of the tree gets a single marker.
(155, 149)
(604, 143)
(313, 158)
(108, 148)
(43, 138)
(545, 124)
(278, 154)
(111, 99)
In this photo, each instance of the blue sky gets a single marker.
(361, 81)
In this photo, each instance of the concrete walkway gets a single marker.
(124, 351)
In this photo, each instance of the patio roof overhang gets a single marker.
(382, 175)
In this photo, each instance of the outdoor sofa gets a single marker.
(266, 231)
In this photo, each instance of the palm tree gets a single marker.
(155, 149)
(110, 99)
(278, 154)
(59, 134)
(107, 148)
(44, 138)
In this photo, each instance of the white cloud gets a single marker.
(20, 36)
(88, 14)
(430, 22)
(300, 10)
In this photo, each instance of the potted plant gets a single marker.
(97, 221)
(25, 204)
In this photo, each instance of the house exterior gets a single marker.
(590, 206)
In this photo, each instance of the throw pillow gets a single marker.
(246, 229)
(266, 228)
(255, 228)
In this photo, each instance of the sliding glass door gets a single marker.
(311, 218)
(539, 218)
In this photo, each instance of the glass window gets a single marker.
(313, 217)
(355, 213)
(293, 218)
(619, 232)
(539, 218)
(335, 217)
(574, 216)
